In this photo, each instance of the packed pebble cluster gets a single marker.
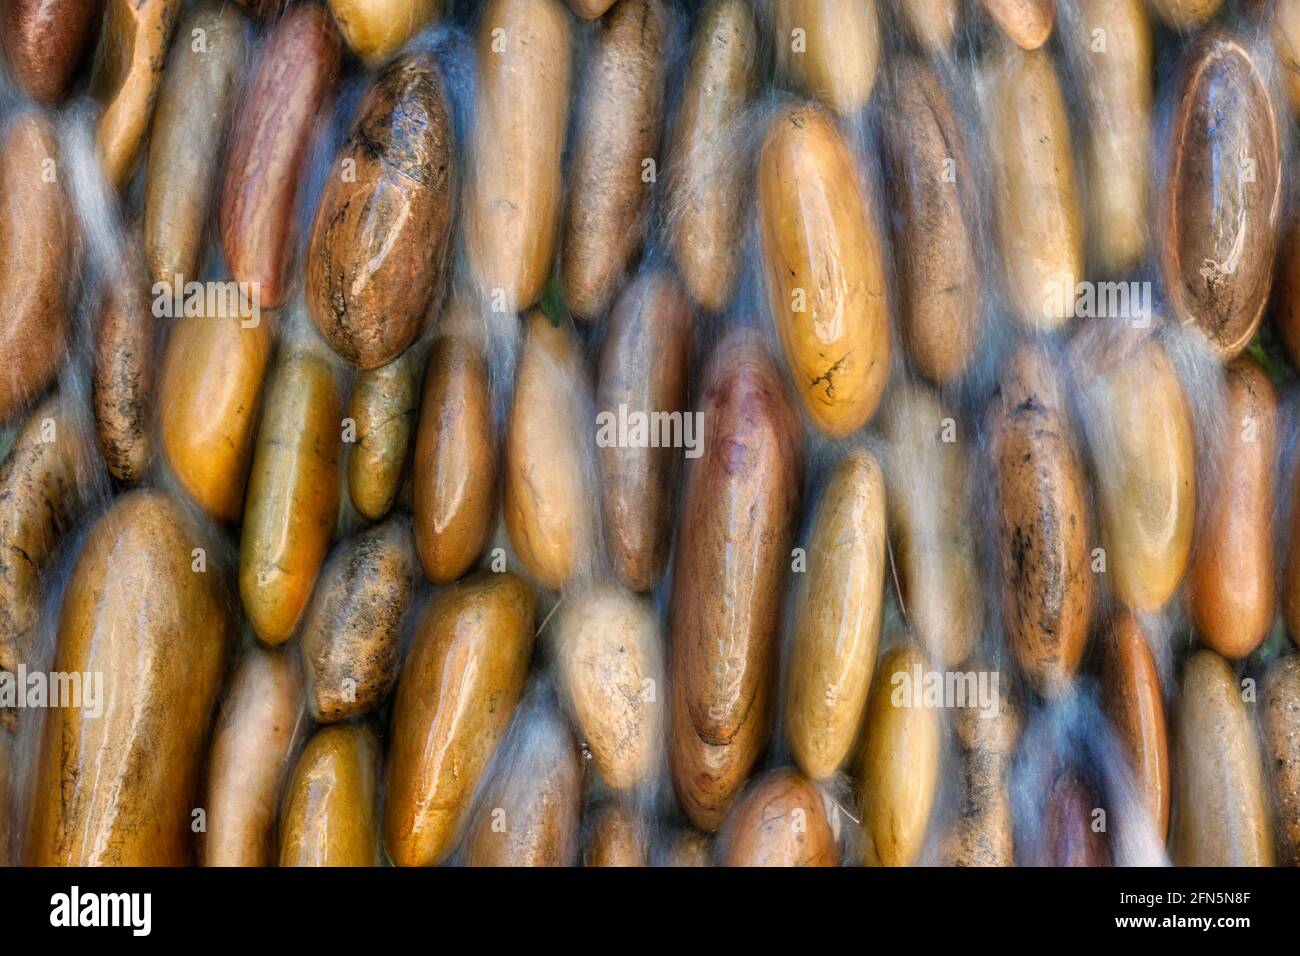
(649, 432)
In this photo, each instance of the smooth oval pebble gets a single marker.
(197, 102)
(1116, 85)
(1222, 199)
(118, 787)
(829, 50)
(1223, 812)
(293, 492)
(378, 249)
(331, 805)
(644, 371)
(383, 405)
(44, 489)
(1132, 698)
(455, 698)
(208, 401)
(1230, 582)
(1042, 522)
(530, 814)
(932, 525)
(375, 29)
(44, 42)
(291, 87)
(512, 208)
(127, 74)
(352, 634)
(707, 200)
(123, 384)
(548, 493)
(936, 224)
(736, 525)
(1146, 475)
(454, 473)
(983, 831)
(1039, 222)
(825, 269)
(39, 238)
(1069, 836)
(620, 112)
(899, 761)
(260, 725)
(837, 617)
(609, 655)
(779, 821)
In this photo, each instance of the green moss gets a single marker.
(553, 305)
(1266, 349)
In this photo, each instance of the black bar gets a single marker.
(460, 907)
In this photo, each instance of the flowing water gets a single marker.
(1070, 790)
